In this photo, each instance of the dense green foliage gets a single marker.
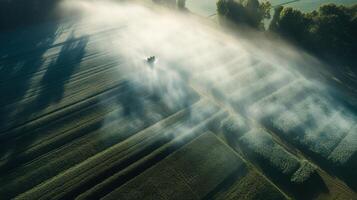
(249, 12)
(329, 33)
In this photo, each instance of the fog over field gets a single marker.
(193, 52)
(88, 115)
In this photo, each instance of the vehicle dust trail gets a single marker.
(256, 77)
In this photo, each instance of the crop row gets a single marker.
(243, 77)
(115, 158)
(260, 89)
(49, 43)
(76, 151)
(179, 139)
(58, 132)
(96, 86)
(189, 173)
(312, 125)
(251, 186)
(261, 145)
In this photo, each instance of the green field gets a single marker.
(189, 173)
(84, 116)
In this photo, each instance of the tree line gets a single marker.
(329, 33)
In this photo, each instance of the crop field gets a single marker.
(84, 116)
(192, 169)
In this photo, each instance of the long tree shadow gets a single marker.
(23, 56)
(60, 71)
(132, 101)
(18, 13)
(53, 82)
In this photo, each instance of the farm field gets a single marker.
(84, 115)
(189, 173)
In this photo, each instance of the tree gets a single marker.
(293, 24)
(181, 4)
(329, 33)
(248, 12)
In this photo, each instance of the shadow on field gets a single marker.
(131, 101)
(21, 58)
(60, 70)
(57, 74)
(18, 82)
(18, 13)
(18, 77)
(23, 52)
